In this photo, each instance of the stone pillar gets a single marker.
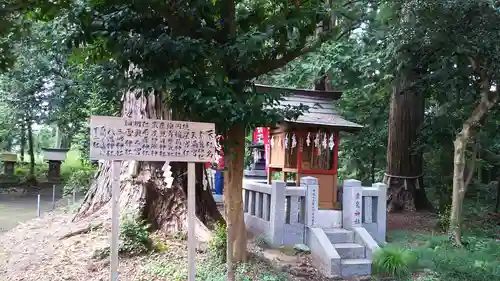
(277, 214)
(352, 204)
(311, 186)
(381, 214)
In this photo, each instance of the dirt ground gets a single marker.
(17, 209)
(36, 249)
(415, 222)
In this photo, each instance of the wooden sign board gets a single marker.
(121, 139)
(115, 138)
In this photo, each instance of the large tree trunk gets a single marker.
(143, 190)
(233, 199)
(488, 99)
(404, 163)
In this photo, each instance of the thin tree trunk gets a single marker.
(58, 136)
(23, 140)
(497, 205)
(404, 163)
(487, 101)
(143, 190)
(373, 164)
(233, 201)
(31, 149)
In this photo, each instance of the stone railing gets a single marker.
(365, 207)
(277, 211)
(283, 213)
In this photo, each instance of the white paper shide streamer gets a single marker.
(331, 142)
(167, 174)
(294, 141)
(308, 140)
(286, 141)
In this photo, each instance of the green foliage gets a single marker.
(248, 272)
(394, 262)
(479, 260)
(22, 171)
(261, 241)
(443, 220)
(218, 244)
(209, 269)
(79, 180)
(134, 236)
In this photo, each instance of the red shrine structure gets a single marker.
(309, 145)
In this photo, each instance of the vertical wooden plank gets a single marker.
(191, 218)
(336, 164)
(300, 154)
(115, 218)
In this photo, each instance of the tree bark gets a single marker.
(143, 190)
(488, 99)
(31, 151)
(233, 199)
(404, 163)
(497, 205)
(23, 140)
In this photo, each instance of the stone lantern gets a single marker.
(9, 163)
(54, 156)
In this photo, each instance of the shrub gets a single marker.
(134, 234)
(80, 180)
(479, 260)
(22, 171)
(218, 244)
(394, 262)
(261, 241)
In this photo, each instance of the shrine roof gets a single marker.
(321, 106)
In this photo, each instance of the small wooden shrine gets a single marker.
(308, 145)
(9, 163)
(55, 156)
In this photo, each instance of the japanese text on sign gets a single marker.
(115, 138)
(357, 209)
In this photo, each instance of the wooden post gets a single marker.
(336, 165)
(115, 218)
(53, 197)
(191, 220)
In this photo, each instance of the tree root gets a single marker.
(82, 230)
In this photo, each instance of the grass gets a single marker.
(479, 260)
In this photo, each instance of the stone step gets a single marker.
(339, 235)
(350, 267)
(350, 250)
